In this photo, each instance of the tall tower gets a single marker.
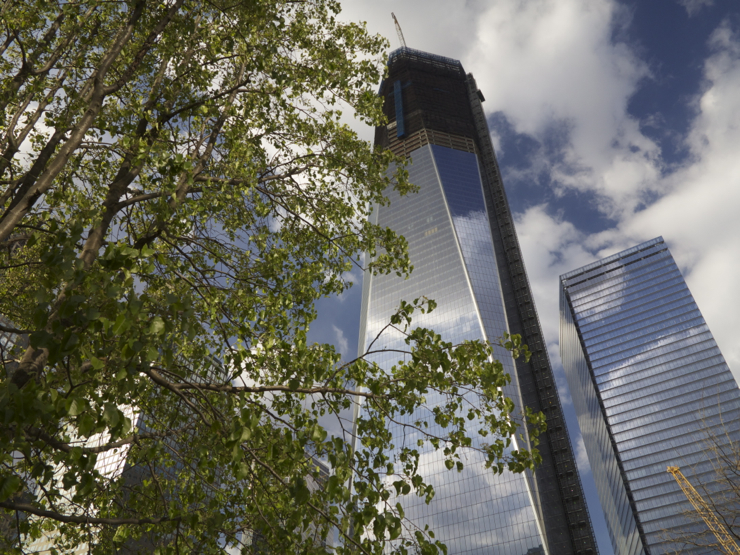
(466, 257)
(650, 387)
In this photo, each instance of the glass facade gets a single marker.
(448, 235)
(649, 386)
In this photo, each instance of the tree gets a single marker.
(179, 190)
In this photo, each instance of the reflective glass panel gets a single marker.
(448, 234)
(649, 386)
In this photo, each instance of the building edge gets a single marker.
(559, 464)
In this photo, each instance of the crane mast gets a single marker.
(398, 30)
(729, 546)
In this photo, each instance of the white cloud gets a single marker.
(341, 341)
(582, 456)
(693, 7)
(551, 247)
(437, 26)
(551, 67)
(352, 277)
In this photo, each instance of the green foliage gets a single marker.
(176, 192)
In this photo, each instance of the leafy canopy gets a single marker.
(176, 190)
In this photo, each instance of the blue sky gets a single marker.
(613, 122)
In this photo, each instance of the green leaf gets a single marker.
(242, 471)
(8, 486)
(86, 423)
(121, 535)
(152, 353)
(156, 327)
(245, 434)
(332, 484)
(318, 434)
(121, 324)
(111, 414)
(75, 406)
(41, 339)
(394, 528)
(300, 491)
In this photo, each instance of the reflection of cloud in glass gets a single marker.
(474, 235)
(453, 328)
(669, 345)
(476, 512)
(450, 246)
(654, 364)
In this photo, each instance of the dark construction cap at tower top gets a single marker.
(429, 99)
(424, 92)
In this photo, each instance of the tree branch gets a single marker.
(160, 379)
(35, 433)
(75, 519)
(7, 329)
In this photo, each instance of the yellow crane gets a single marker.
(729, 546)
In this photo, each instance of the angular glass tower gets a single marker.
(649, 385)
(466, 257)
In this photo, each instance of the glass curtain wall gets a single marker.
(649, 386)
(473, 512)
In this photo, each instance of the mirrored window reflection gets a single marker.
(473, 512)
(652, 375)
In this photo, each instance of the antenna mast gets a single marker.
(398, 30)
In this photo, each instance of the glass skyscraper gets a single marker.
(466, 257)
(649, 386)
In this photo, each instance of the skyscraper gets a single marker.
(648, 384)
(466, 257)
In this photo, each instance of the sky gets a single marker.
(613, 122)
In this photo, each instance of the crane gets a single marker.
(729, 546)
(398, 31)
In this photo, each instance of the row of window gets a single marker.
(644, 322)
(627, 317)
(593, 323)
(677, 426)
(597, 311)
(686, 378)
(682, 347)
(654, 269)
(616, 261)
